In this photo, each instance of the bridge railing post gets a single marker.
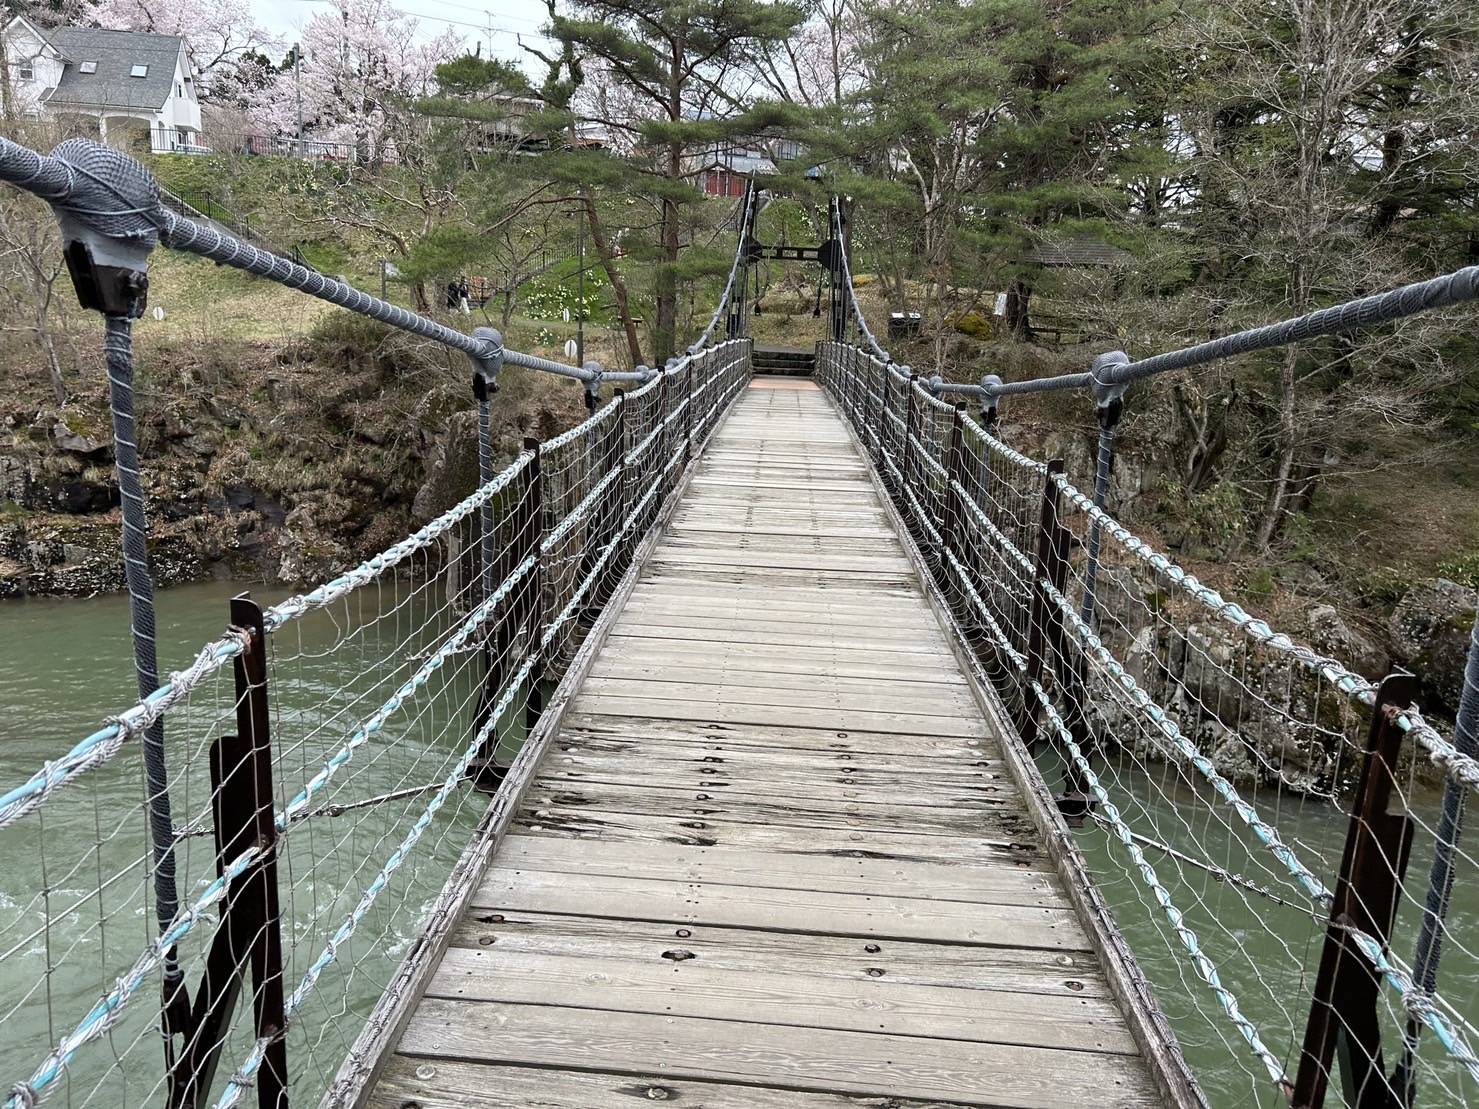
(882, 417)
(1050, 564)
(952, 519)
(621, 491)
(535, 618)
(688, 412)
(1109, 406)
(907, 450)
(249, 936)
(1345, 1007)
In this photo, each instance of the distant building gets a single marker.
(723, 170)
(1079, 251)
(118, 84)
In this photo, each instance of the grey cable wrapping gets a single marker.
(104, 191)
(1429, 950)
(118, 352)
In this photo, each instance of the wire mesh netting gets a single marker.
(1211, 763)
(394, 700)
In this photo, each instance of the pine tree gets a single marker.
(667, 72)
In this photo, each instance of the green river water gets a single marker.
(66, 664)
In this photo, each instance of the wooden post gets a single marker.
(1344, 1009)
(249, 936)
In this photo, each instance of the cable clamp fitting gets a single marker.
(488, 365)
(990, 398)
(1108, 395)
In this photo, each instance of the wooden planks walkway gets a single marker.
(772, 858)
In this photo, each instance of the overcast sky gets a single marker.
(509, 19)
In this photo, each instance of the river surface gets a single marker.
(76, 907)
(66, 664)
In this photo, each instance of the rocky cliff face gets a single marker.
(260, 463)
(1430, 631)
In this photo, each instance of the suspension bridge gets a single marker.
(761, 740)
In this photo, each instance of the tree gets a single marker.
(499, 210)
(1008, 120)
(364, 65)
(218, 33)
(673, 68)
(1303, 117)
(31, 251)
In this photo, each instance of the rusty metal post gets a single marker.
(1049, 563)
(906, 449)
(688, 413)
(1344, 1010)
(249, 937)
(535, 616)
(882, 416)
(952, 516)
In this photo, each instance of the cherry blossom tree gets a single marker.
(364, 65)
(218, 33)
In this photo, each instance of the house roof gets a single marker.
(116, 53)
(1082, 251)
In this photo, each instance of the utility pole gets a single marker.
(298, 87)
(580, 288)
(382, 279)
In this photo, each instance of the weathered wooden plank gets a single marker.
(977, 1074)
(697, 817)
(819, 639)
(985, 816)
(842, 623)
(921, 700)
(679, 555)
(786, 577)
(833, 588)
(826, 832)
(770, 738)
(721, 761)
(688, 988)
(900, 634)
(682, 669)
(452, 1084)
(843, 720)
(878, 604)
(738, 906)
(815, 550)
(985, 885)
(774, 659)
(871, 789)
(1062, 974)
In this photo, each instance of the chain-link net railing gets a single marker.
(1211, 764)
(233, 868)
(396, 697)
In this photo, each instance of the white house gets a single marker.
(118, 83)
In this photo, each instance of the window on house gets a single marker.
(26, 71)
(179, 89)
(139, 71)
(88, 67)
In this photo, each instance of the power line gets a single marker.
(483, 28)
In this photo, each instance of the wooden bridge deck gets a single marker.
(772, 857)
